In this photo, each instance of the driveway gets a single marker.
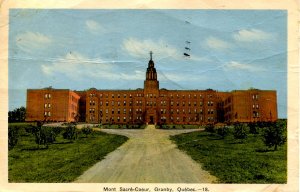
(148, 156)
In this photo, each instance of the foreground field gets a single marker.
(233, 161)
(62, 161)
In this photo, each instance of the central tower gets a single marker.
(151, 93)
(151, 82)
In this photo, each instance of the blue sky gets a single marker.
(109, 49)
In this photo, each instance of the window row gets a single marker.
(120, 95)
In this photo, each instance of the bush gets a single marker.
(240, 131)
(210, 128)
(87, 131)
(44, 135)
(223, 131)
(13, 136)
(253, 128)
(70, 133)
(275, 135)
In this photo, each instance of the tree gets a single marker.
(44, 135)
(13, 136)
(87, 131)
(253, 128)
(240, 131)
(223, 131)
(17, 115)
(210, 128)
(70, 133)
(275, 135)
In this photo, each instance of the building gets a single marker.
(152, 105)
(51, 105)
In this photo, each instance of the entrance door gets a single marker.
(151, 120)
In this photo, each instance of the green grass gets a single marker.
(235, 162)
(62, 161)
(20, 124)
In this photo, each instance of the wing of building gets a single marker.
(151, 105)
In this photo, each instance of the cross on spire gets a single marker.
(151, 55)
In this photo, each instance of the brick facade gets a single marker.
(51, 105)
(152, 105)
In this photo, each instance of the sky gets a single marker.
(109, 49)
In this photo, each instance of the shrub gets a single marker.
(240, 131)
(275, 135)
(70, 133)
(210, 128)
(87, 131)
(223, 131)
(13, 136)
(253, 128)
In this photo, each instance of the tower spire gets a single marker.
(151, 55)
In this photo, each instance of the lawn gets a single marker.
(62, 161)
(233, 161)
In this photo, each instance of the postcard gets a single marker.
(149, 96)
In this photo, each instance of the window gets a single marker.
(49, 105)
(100, 103)
(49, 96)
(106, 103)
(45, 113)
(46, 96)
(124, 103)
(118, 95)
(124, 111)
(112, 111)
(106, 111)
(49, 114)
(45, 105)
(112, 96)
(118, 111)
(112, 103)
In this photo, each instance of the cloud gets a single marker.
(76, 67)
(251, 35)
(94, 27)
(218, 44)
(233, 65)
(30, 41)
(141, 48)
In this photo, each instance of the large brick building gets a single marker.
(151, 105)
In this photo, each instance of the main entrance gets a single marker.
(151, 120)
(151, 116)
